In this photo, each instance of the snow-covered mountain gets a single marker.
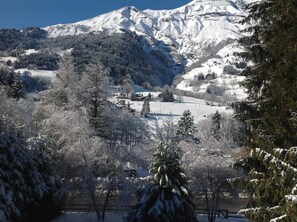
(201, 36)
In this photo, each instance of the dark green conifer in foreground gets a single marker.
(166, 198)
(271, 184)
(270, 110)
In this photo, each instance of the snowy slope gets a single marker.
(190, 29)
(193, 34)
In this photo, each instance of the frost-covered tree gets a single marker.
(16, 88)
(166, 132)
(166, 197)
(186, 128)
(271, 185)
(93, 94)
(28, 179)
(126, 128)
(167, 95)
(209, 171)
(229, 134)
(145, 111)
(12, 82)
(210, 175)
(65, 87)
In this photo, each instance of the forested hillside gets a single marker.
(77, 128)
(122, 53)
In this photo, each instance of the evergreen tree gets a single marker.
(167, 96)
(166, 198)
(16, 88)
(271, 183)
(216, 125)
(145, 111)
(94, 95)
(269, 112)
(65, 86)
(132, 96)
(12, 82)
(186, 128)
(271, 82)
(28, 179)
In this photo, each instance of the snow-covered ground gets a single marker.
(201, 35)
(30, 51)
(118, 217)
(6, 58)
(161, 110)
(45, 73)
(229, 82)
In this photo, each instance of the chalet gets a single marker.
(139, 97)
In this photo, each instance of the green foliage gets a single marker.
(12, 83)
(272, 184)
(40, 61)
(167, 96)
(11, 39)
(123, 53)
(167, 197)
(216, 125)
(93, 87)
(269, 112)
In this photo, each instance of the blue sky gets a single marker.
(25, 13)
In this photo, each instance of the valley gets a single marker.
(141, 115)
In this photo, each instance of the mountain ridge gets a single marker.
(192, 34)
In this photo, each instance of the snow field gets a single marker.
(231, 83)
(44, 73)
(6, 58)
(161, 110)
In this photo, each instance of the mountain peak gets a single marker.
(191, 34)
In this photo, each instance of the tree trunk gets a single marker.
(105, 203)
(96, 207)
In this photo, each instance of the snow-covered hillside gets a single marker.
(192, 30)
(196, 35)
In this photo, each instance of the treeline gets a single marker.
(123, 53)
(13, 39)
(17, 85)
(40, 61)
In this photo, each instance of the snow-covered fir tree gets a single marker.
(167, 95)
(145, 111)
(28, 179)
(186, 128)
(272, 185)
(216, 125)
(166, 198)
(16, 86)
